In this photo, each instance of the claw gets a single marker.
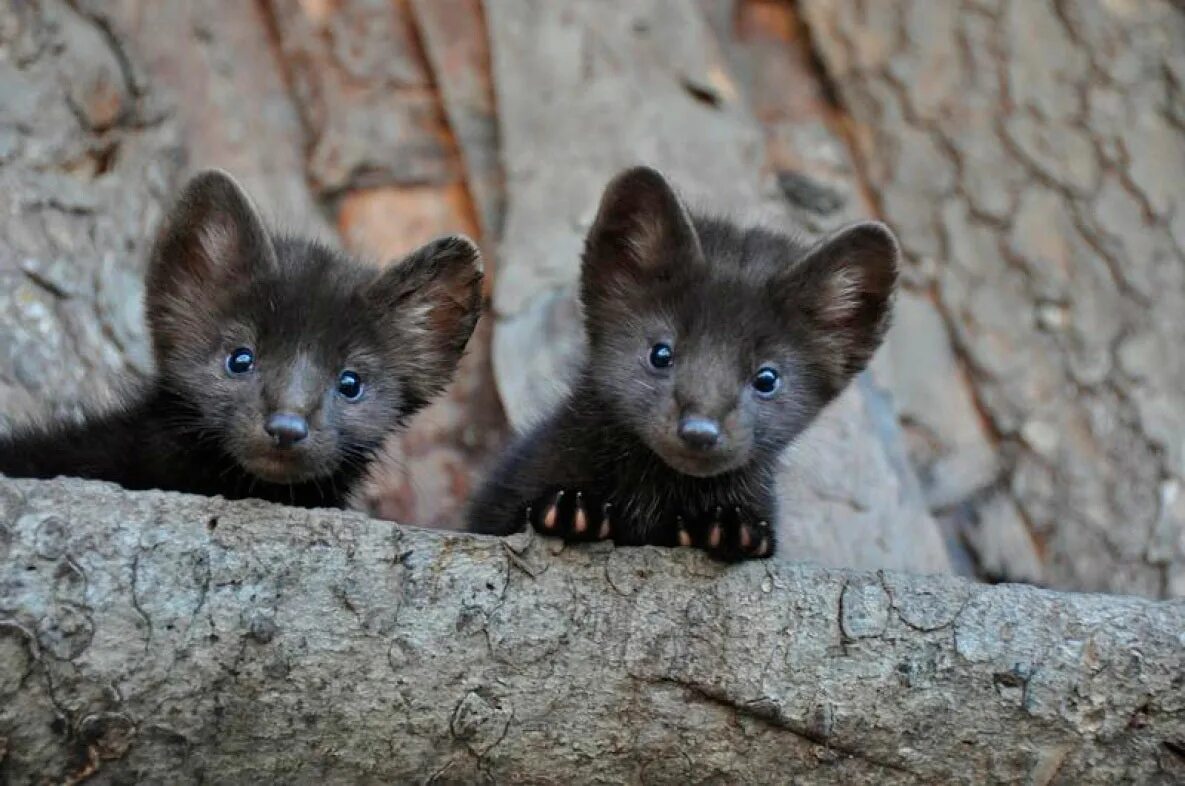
(745, 537)
(606, 529)
(553, 511)
(763, 548)
(580, 520)
(716, 533)
(684, 536)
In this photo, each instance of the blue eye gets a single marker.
(661, 355)
(767, 381)
(349, 384)
(240, 361)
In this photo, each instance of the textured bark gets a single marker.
(1032, 156)
(365, 95)
(159, 638)
(455, 42)
(209, 66)
(86, 159)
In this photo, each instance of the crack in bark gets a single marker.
(135, 598)
(103, 26)
(770, 714)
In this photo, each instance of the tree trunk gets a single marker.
(1038, 192)
(160, 638)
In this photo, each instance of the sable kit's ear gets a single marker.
(211, 241)
(641, 231)
(428, 304)
(845, 285)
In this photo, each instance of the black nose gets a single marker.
(286, 429)
(699, 433)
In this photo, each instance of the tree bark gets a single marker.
(159, 638)
(982, 129)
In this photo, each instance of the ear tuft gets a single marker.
(211, 241)
(642, 230)
(848, 280)
(427, 305)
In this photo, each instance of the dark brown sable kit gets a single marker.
(711, 347)
(281, 365)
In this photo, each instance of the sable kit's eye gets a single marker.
(767, 381)
(240, 361)
(349, 384)
(661, 355)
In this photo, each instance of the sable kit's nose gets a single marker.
(286, 428)
(699, 433)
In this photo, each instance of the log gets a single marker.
(160, 638)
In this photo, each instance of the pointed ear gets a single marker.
(212, 236)
(427, 305)
(845, 286)
(642, 231)
(211, 241)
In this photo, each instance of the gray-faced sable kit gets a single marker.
(281, 365)
(711, 347)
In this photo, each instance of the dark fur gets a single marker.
(729, 300)
(217, 280)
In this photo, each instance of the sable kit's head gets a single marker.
(718, 345)
(297, 360)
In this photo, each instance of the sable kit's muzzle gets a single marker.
(286, 429)
(699, 433)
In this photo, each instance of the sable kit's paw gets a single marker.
(729, 535)
(572, 515)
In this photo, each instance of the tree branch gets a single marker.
(159, 637)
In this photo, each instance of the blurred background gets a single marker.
(1024, 422)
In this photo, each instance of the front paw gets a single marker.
(727, 534)
(572, 515)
